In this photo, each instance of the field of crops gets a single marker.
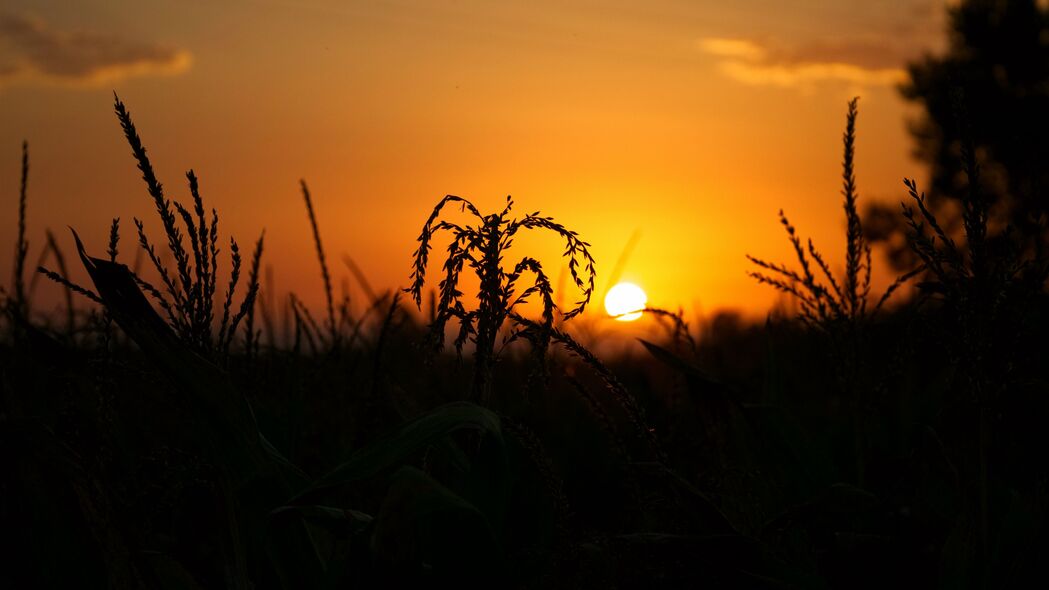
(175, 430)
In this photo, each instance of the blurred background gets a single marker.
(684, 124)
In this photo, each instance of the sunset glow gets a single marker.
(450, 290)
(673, 119)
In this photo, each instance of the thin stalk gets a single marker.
(22, 246)
(332, 326)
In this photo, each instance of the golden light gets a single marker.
(625, 302)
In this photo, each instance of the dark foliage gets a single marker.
(991, 89)
(141, 448)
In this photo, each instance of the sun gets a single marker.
(625, 302)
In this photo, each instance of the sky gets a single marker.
(688, 124)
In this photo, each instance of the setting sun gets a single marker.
(625, 302)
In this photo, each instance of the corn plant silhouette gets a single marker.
(827, 303)
(191, 289)
(482, 248)
(989, 284)
(837, 307)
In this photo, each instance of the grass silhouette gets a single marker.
(825, 301)
(153, 440)
(482, 247)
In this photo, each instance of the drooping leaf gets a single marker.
(786, 445)
(395, 449)
(831, 505)
(425, 527)
(168, 573)
(698, 506)
(228, 416)
(341, 520)
(698, 381)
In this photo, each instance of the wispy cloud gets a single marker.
(864, 63)
(33, 52)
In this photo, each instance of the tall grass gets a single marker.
(60, 262)
(990, 284)
(482, 248)
(190, 289)
(747, 484)
(15, 304)
(835, 306)
(825, 301)
(22, 245)
(332, 328)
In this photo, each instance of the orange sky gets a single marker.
(690, 122)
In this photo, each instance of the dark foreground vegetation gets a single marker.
(169, 437)
(175, 429)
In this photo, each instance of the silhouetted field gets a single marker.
(171, 434)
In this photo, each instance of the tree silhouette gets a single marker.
(990, 87)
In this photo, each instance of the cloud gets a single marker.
(33, 52)
(863, 63)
